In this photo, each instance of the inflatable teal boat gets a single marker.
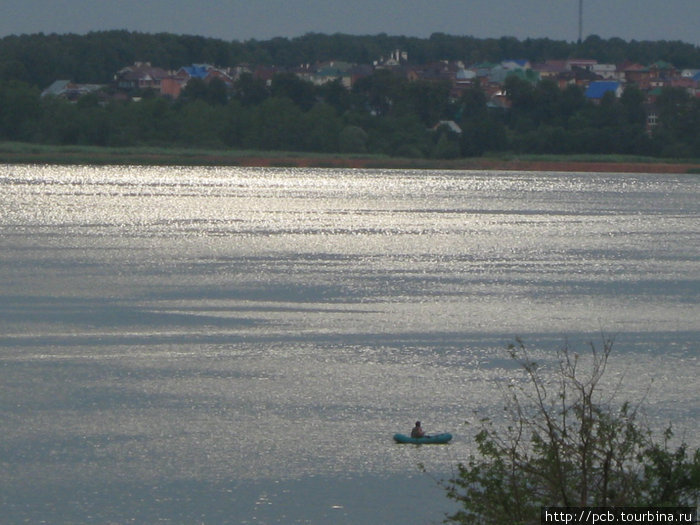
(435, 439)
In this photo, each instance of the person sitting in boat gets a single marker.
(417, 431)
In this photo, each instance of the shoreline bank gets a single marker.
(36, 154)
(481, 164)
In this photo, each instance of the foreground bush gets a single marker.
(567, 445)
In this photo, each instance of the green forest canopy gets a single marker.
(40, 59)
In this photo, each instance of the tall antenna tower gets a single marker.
(580, 21)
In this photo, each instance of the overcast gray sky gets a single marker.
(264, 19)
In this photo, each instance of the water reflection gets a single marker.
(173, 336)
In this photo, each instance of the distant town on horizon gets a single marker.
(439, 82)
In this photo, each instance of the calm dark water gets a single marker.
(238, 345)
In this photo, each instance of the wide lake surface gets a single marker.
(233, 345)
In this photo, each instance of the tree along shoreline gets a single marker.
(567, 443)
(27, 153)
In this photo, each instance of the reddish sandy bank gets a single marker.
(165, 158)
(475, 164)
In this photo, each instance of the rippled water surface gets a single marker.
(239, 345)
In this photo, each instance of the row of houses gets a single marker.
(144, 76)
(594, 77)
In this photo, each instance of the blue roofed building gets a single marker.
(517, 63)
(596, 90)
(173, 85)
(197, 70)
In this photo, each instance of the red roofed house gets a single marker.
(637, 74)
(140, 76)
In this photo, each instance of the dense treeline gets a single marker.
(40, 59)
(384, 113)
